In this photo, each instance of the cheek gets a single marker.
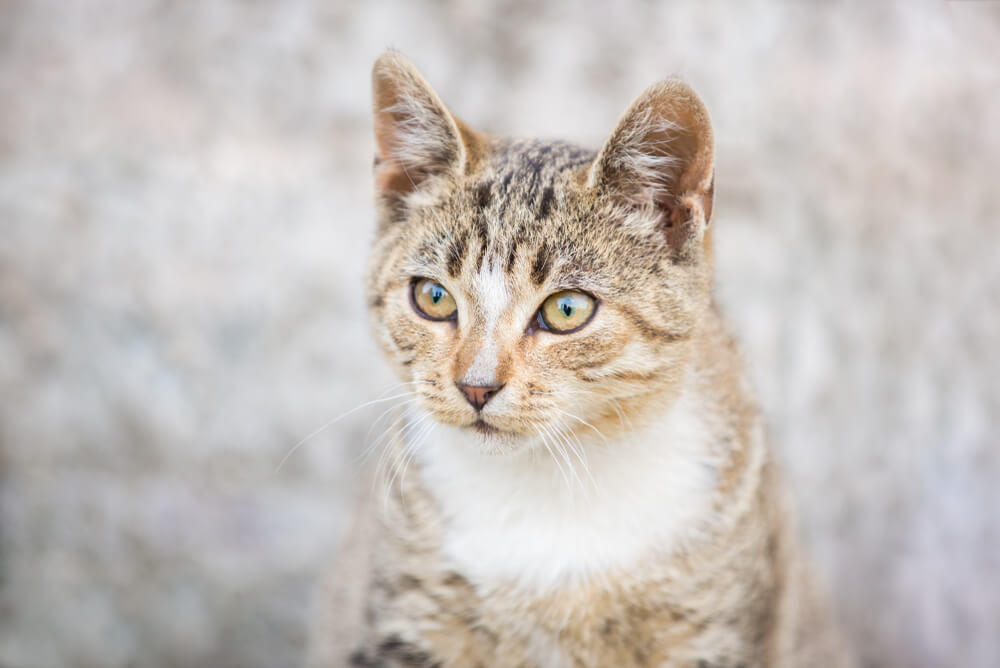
(416, 345)
(573, 353)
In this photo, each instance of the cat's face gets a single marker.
(522, 287)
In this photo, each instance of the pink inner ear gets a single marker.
(393, 181)
(415, 135)
(384, 137)
(393, 178)
(661, 156)
(660, 162)
(413, 142)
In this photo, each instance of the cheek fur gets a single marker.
(411, 342)
(573, 353)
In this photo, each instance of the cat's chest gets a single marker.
(588, 625)
(538, 523)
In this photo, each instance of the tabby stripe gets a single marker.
(401, 344)
(394, 651)
(506, 182)
(484, 193)
(591, 363)
(649, 330)
(482, 254)
(628, 376)
(545, 204)
(542, 265)
(456, 254)
(511, 256)
(515, 241)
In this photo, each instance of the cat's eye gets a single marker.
(432, 301)
(566, 311)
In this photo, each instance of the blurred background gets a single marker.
(185, 211)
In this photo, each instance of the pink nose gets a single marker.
(479, 395)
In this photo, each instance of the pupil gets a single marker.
(436, 294)
(566, 308)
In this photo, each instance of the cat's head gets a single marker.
(531, 288)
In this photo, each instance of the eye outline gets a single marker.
(539, 323)
(453, 318)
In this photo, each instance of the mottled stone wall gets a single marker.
(185, 206)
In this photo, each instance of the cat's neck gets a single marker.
(541, 522)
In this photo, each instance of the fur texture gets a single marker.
(614, 504)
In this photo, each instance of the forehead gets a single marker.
(526, 173)
(521, 216)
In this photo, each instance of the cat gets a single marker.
(582, 477)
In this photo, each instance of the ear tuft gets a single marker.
(416, 137)
(660, 161)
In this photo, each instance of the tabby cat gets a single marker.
(582, 477)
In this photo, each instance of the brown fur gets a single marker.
(628, 224)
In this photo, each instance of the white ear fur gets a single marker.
(660, 161)
(416, 137)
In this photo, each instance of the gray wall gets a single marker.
(185, 208)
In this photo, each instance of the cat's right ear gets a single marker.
(416, 137)
(660, 162)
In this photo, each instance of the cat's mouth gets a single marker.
(489, 430)
(485, 428)
(493, 439)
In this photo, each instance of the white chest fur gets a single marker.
(515, 519)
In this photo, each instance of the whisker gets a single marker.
(384, 437)
(545, 442)
(371, 447)
(576, 447)
(411, 451)
(622, 418)
(564, 455)
(567, 450)
(332, 422)
(615, 403)
(389, 454)
(402, 455)
(582, 421)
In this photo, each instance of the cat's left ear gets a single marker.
(660, 163)
(416, 137)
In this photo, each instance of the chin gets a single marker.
(494, 440)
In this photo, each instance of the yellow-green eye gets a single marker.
(567, 311)
(432, 301)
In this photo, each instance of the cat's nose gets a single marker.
(478, 395)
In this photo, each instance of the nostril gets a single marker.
(479, 395)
